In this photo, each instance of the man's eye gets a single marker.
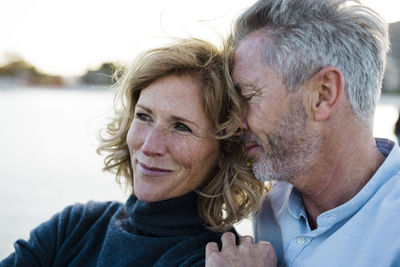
(143, 117)
(247, 97)
(182, 127)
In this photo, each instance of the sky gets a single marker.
(66, 37)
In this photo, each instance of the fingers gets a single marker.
(245, 254)
(211, 248)
(245, 248)
(226, 256)
(228, 240)
(246, 240)
(266, 252)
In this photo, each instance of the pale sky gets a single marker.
(68, 36)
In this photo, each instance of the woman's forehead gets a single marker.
(174, 94)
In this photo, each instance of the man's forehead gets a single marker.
(249, 47)
(246, 57)
(253, 42)
(249, 52)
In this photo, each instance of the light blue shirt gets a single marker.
(365, 231)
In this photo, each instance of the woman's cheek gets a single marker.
(136, 136)
(184, 149)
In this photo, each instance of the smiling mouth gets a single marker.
(152, 171)
(250, 145)
(252, 148)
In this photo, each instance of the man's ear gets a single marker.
(326, 90)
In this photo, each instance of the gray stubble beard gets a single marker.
(291, 147)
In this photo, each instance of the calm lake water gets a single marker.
(48, 158)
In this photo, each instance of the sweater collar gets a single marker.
(171, 217)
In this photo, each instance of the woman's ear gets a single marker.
(326, 90)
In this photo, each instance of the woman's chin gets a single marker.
(150, 197)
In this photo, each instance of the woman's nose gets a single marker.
(154, 144)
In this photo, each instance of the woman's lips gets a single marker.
(152, 171)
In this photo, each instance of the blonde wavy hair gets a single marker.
(233, 193)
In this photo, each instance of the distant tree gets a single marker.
(103, 75)
(16, 66)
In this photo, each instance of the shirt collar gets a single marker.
(296, 205)
(389, 168)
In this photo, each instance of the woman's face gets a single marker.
(170, 140)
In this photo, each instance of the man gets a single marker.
(310, 72)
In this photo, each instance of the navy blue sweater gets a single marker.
(166, 233)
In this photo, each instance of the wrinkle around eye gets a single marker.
(248, 97)
(182, 127)
(251, 93)
(197, 134)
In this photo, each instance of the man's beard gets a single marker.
(289, 150)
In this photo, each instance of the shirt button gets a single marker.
(301, 240)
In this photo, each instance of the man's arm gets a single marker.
(245, 254)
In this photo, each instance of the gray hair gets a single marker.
(306, 35)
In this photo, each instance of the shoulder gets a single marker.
(89, 211)
(79, 218)
(387, 199)
(81, 213)
(51, 240)
(195, 247)
(191, 250)
(383, 190)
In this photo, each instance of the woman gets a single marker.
(172, 142)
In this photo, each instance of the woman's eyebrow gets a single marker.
(145, 109)
(173, 117)
(177, 118)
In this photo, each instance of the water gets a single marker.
(48, 158)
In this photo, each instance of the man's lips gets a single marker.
(152, 171)
(252, 149)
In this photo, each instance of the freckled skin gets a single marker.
(157, 138)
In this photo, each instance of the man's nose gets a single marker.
(154, 144)
(243, 126)
(243, 118)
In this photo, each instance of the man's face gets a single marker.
(278, 138)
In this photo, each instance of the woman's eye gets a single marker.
(143, 117)
(182, 127)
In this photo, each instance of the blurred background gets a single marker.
(56, 59)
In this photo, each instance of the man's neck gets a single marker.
(342, 172)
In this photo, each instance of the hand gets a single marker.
(246, 254)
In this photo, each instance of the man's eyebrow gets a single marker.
(244, 84)
(241, 86)
(245, 87)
